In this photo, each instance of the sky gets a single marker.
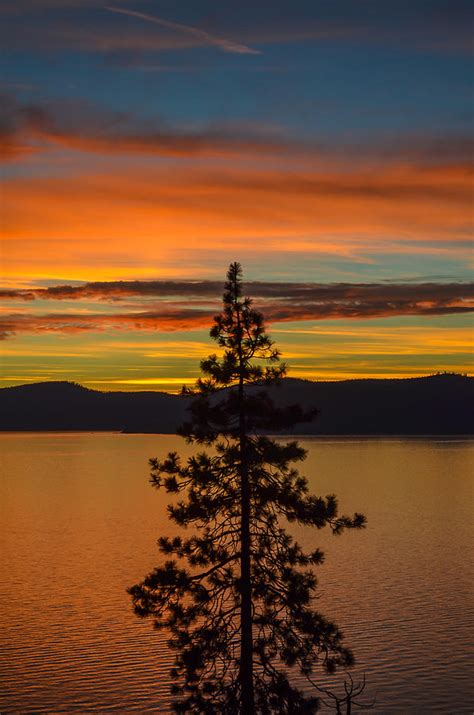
(145, 144)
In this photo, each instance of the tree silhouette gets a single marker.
(239, 612)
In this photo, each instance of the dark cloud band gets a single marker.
(32, 127)
(113, 290)
(280, 302)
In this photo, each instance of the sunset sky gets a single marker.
(323, 144)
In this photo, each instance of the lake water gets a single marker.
(79, 523)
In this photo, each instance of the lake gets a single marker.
(79, 523)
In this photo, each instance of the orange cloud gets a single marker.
(210, 143)
(128, 217)
(168, 321)
(139, 218)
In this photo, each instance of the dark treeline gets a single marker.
(435, 405)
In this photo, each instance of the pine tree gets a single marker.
(240, 611)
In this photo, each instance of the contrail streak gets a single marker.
(222, 43)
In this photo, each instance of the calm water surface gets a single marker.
(79, 523)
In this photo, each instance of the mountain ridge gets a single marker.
(437, 404)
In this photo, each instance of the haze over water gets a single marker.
(79, 524)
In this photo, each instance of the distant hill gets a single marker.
(440, 404)
(68, 406)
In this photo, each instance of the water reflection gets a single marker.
(79, 523)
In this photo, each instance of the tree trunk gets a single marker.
(246, 642)
(247, 706)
